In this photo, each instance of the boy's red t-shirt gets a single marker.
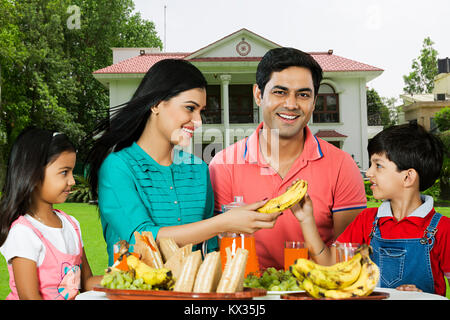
(410, 227)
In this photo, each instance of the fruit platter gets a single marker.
(354, 279)
(164, 271)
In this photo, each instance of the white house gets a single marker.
(229, 66)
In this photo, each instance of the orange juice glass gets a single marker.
(345, 250)
(238, 240)
(294, 250)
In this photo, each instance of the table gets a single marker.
(393, 295)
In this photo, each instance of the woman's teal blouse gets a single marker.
(135, 193)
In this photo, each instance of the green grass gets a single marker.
(95, 245)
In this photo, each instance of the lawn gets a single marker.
(94, 243)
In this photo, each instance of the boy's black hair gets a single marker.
(411, 146)
(278, 59)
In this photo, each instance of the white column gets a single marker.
(224, 82)
(364, 164)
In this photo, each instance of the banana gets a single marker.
(364, 285)
(150, 275)
(356, 277)
(291, 197)
(337, 278)
(304, 266)
(300, 277)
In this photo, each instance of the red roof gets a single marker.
(333, 63)
(329, 134)
(141, 64)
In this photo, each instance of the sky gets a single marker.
(383, 33)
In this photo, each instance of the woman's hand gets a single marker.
(246, 219)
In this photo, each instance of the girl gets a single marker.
(145, 183)
(42, 245)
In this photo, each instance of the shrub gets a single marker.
(81, 191)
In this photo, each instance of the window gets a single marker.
(337, 144)
(241, 103)
(327, 105)
(213, 111)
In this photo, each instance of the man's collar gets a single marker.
(311, 149)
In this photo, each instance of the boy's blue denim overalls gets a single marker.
(405, 261)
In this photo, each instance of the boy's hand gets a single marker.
(408, 287)
(303, 210)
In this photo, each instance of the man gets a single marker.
(281, 150)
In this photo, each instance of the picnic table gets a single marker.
(393, 295)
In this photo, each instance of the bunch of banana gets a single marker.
(160, 277)
(291, 197)
(355, 277)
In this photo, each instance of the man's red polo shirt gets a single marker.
(334, 184)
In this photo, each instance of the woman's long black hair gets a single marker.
(163, 81)
(32, 151)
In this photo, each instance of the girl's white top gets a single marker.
(23, 242)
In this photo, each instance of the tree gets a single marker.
(424, 69)
(377, 111)
(48, 51)
(442, 119)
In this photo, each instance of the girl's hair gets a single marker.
(163, 81)
(32, 151)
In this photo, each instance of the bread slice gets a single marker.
(175, 263)
(168, 247)
(186, 280)
(232, 279)
(146, 247)
(209, 273)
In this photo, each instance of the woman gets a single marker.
(144, 183)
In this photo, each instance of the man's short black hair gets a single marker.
(278, 59)
(411, 146)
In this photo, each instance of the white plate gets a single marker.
(284, 292)
(274, 295)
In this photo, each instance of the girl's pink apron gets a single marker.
(59, 274)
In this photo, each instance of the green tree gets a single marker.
(377, 111)
(424, 69)
(48, 51)
(442, 119)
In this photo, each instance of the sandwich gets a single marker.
(209, 273)
(233, 275)
(148, 250)
(186, 280)
(168, 248)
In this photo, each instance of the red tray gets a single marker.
(119, 294)
(305, 296)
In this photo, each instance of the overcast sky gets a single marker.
(384, 33)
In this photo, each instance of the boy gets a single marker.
(410, 241)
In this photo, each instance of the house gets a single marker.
(421, 108)
(229, 66)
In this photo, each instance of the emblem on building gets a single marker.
(243, 48)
